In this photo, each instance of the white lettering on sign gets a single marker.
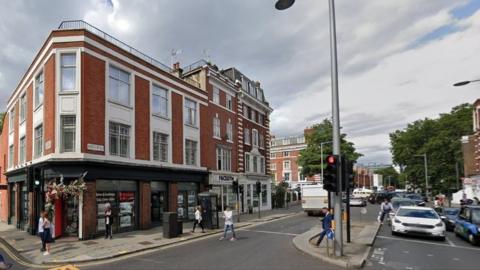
(95, 147)
(48, 144)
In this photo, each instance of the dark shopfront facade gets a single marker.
(139, 195)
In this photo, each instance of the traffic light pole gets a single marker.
(336, 131)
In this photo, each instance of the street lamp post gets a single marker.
(425, 162)
(284, 4)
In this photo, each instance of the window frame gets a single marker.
(216, 95)
(246, 136)
(11, 120)
(191, 145)
(289, 167)
(229, 129)
(63, 67)
(22, 148)
(229, 102)
(11, 156)
(157, 92)
(112, 98)
(286, 153)
(223, 159)
(37, 100)
(190, 113)
(70, 127)
(38, 141)
(162, 143)
(247, 162)
(119, 137)
(23, 108)
(255, 137)
(217, 133)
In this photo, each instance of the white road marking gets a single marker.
(430, 255)
(450, 242)
(456, 259)
(270, 232)
(428, 243)
(406, 251)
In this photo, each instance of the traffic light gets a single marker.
(330, 174)
(258, 187)
(347, 174)
(235, 186)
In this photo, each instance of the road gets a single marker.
(401, 252)
(267, 246)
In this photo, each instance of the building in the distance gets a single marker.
(284, 154)
(148, 138)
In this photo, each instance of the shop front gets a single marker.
(123, 198)
(250, 198)
(187, 200)
(221, 184)
(159, 201)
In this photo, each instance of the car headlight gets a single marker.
(440, 224)
(478, 229)
(396, 220)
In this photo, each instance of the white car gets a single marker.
(421, 221)
(358, 201)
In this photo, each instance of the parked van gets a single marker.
(362, 193)
(314, 198)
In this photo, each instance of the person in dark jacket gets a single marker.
(326, 224)
(108, 221)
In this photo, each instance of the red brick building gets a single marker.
(145, 135)
(284, 154)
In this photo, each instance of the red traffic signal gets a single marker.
(331, 160)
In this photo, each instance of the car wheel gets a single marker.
(471, 239)
(394, 233)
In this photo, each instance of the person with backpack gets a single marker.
(198, 220)
(385, 208)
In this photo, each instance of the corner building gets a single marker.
(141, 134)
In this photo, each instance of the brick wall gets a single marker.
(177, 128)
(172, 197)
(29, 124)
(89, 224)
(145, 206)
(93, 102)
(142, 119)
(15, 134)
(49, 107)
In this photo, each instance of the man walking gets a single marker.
(326, 224)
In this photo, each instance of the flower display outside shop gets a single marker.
(58, 190)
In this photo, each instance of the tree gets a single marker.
(310, 157)
(439, 139)
(2, 116)
(390, 176)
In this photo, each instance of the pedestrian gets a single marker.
(198, 219)
(385, 209)
(228, 215)
(108, 221)
(47, 233)
(3, 264)
(326, 225)
(40, 231)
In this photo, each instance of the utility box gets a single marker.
(170, 225)
(209, 203)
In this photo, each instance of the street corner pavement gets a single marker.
(355, 253)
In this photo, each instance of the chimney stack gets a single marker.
(177, 71)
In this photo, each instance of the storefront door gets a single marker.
(13, 192)
(159, 206)
(187, 200)
(71, 216)
(24, 207)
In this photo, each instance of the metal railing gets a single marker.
(79, 24)
(199, 63)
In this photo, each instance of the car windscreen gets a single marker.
(397, 204)
(451, 211)
(414, 196)
(417, 213)
(476, 216)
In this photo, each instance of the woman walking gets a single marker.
(108, 221)
(47, 234)
(228, 215)
(198, 219)
(40, 231)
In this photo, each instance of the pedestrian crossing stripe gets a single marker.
(65, 267)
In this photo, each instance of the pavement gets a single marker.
(355, 253)
(24, 248)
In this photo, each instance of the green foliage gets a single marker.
(310, 158)
(390, 175)
(440, 140)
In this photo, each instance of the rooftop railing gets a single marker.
(199, 63)
(79, 24)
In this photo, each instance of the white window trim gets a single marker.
(255, 137)
(131, 85)
(247, 136)
(152, 86)
(229, 129)
(197, 108)
(216, 95)
(289, 165)
(217, 126)
(35, 105)
(24, 97)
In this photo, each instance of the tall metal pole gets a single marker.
(336, 130)
(426, 174)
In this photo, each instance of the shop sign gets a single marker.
(95, 147)
(222, 179)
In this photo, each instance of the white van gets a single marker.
(314, 198)
(362, 193)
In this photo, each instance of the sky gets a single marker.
(397, 60)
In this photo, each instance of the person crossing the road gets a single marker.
(198, 219)
(385, 209)
(228, 215)
(326, 225)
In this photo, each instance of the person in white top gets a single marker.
(40, 231)
(198, 219)
(228, 215)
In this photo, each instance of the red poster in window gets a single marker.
(126, 196)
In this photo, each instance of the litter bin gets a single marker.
(179, 227)
(170, 225)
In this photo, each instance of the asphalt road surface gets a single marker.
(267, 246)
